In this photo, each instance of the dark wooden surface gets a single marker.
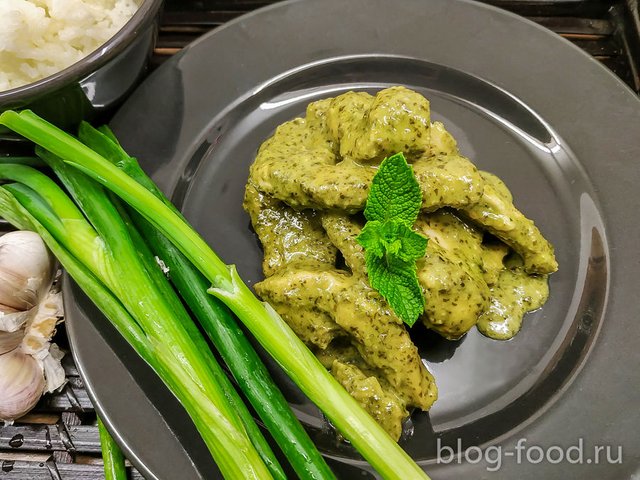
(59, 439)
(604, 29)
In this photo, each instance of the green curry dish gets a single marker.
(307, 190)
(391, 246)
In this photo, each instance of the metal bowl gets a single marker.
(93, 87)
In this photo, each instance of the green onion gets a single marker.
(29, 161)
(375, 445)
(112, 258)
(218, 322)
(112, 456)
(78, 184)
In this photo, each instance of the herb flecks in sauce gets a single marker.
(486, 263)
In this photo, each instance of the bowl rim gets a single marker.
(145, 14)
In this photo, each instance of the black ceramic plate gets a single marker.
(559, 128)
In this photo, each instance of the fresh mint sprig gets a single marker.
(390, 244)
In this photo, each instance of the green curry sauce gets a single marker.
(486, 264)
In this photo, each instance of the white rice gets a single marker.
(41, 37)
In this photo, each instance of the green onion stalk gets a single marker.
(112, 456)
(111, 259)
(373, 443)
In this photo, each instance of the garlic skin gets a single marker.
(21, 383)
(54, 374)
(37, 341)
(13, 320)
(25, 269)
(42, 324)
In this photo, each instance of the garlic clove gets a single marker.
(21, 384)
(5, 309)
(15, 291)
(10, 340)
(26, 269)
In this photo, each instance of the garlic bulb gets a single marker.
(30, 309)
(25, 269)
(21, 384)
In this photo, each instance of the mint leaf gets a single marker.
(391, 246)
(392, 238)
(370, 238)
(395, 192)
(401, 242)
(397, 281)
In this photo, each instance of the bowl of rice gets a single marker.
(70, 60)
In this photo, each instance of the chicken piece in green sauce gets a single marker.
(373, 329)
(514, 293)
(369, 388)
(382, 404)
(496, 213)
(319, 162)
(450, 272)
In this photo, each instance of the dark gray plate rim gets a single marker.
(593, 112)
